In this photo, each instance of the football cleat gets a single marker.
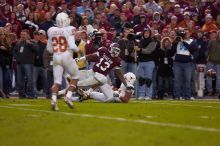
(68, 102)
(54, 106)
(82, 95)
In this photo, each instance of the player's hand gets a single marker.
(77, 59)
(130, 87)
(126, 97)
(81, 58)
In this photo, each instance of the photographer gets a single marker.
(24, 51)
(98, 39)
(183, 49)
(127, 54)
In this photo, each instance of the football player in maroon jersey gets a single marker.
(105, 60)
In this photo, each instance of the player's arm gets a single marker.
(71, 43)
(120, 76)
(88, 57)
(49, 42)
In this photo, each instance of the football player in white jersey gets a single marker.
(61, 43)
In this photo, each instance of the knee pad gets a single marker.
(141, 81)
(148, 82)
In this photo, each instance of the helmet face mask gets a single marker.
(114, 50)
(62, 20)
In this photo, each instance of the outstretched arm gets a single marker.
(120, 76)
(88, 57)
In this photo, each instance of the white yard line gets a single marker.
(174, 104)
(120, 119)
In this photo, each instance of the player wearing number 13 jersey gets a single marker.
(106, 60)
(61, 43)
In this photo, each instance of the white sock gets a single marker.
(54, 97)
(62, 92)
(69, 94)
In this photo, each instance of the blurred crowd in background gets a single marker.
(173, 46)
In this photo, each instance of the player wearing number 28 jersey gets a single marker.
(61, 43)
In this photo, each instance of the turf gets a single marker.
(153, 123)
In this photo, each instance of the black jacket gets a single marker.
(24, 53)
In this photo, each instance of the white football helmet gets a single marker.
(130, 78)
(62, 20)
(115, 50)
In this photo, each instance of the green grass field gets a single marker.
(150, 123)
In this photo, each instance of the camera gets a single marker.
(180, 33)
(133, 37)
(98, 36)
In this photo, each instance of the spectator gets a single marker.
(153, 5)
(136, 16)
(24, 54)
(53, 12)
(127, 51)
(64, 7)
(3, 51)
(187, 23)
(158, 21)
(213, 62)
(81, 45)
(40, 13)
(142, 26)
(114, 15)
(30, 24)
(7, 12)
(200, 60)
(209, 24)
(146, 59)
(20, 13)
(104, 23)
(100, 7)
(173, 22)
(76, 19)
(84, 36)
(124, 23)
(48, 65)
(127, 11)
(16, 25)
(183, 65)
(8, 72)
(39, 71)
(82, 8)
(47, 23)
(164, 69)
(86, 26)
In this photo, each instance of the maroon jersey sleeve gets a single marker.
(106, 62)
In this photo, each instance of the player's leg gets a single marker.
(92, 79)
(107, 93)
(98, 96)
(57, 73)
(72, 69)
